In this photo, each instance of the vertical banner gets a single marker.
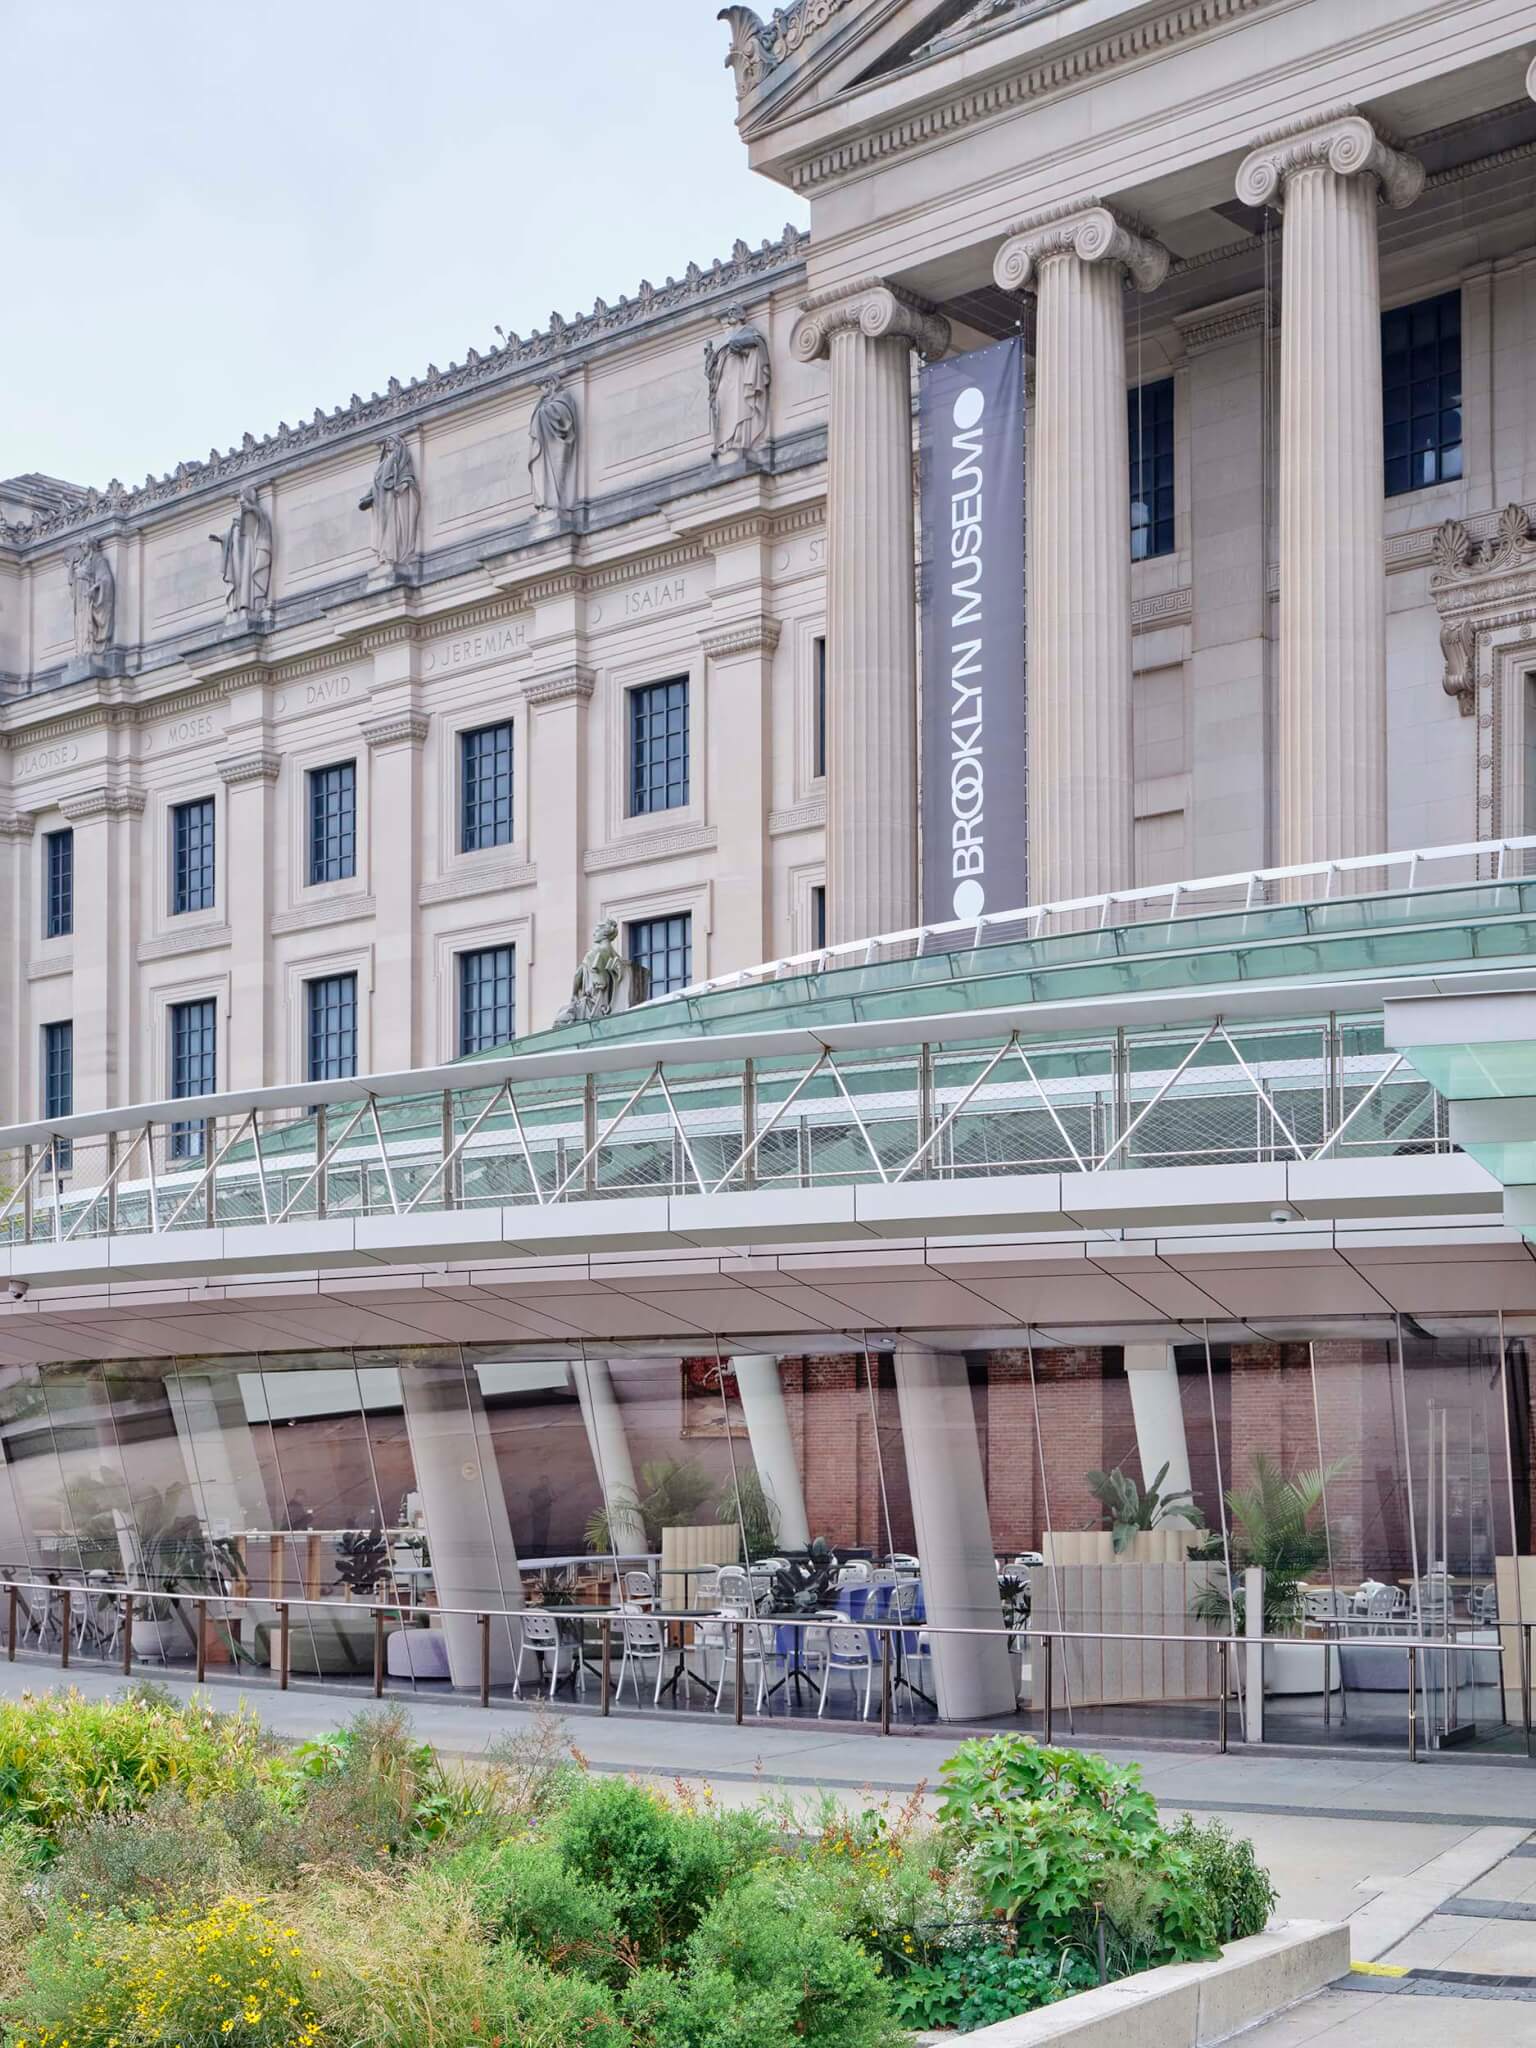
(974, 754)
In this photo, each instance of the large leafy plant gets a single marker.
(1275, 1527)
(673, 1493)
(1131, 1511)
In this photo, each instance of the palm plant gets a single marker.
(746, 1504)
(1130, 1510)
(672, 1493)
(1272, 1521)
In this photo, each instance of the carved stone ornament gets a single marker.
(1458, 646)
(739, 374)
(552, 434)
(1343, 142)
(1087, 230)
(605, 981)
(394, 499)
(93, 592)
(876, 311)
(1457, 557)
(758, 46)
(245, 555)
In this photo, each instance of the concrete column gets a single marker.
(16, 870)
(1154, 1383)
(610, 1454)
(395, 842)
(868, 336)
(773, 1446)
(106, 930)
(474, 1559)
(973, 1675)
(1081, 767)
(1330, 177)
(250, 800)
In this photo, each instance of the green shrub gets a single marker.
(375, 1790)
(973, 1987)
(662, 1867)
(529, 2006)
(64, 1758)
(524, 1893)
(197, 1979)
(1225, 1870)
(763, 1971)
(168, 1853)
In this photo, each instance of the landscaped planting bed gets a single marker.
(172, 1876)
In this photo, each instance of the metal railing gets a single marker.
(1312, 881)
(1206, 1093)
(596, 1638)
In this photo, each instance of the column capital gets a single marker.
(396, 728)
(103, 802)
(1086, 229)
(1342, 141)
(573, 685)
(757, 634)
(260, 766)
(878, 311)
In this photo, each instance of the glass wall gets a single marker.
(862, 1502)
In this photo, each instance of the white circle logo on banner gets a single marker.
(969, 407)
(969, 898)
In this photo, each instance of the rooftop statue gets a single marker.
(552, 448)
(394, 499)
(739, 374)
(246, 555)
(605, 980)
(94, 592)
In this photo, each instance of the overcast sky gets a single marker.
(217, 216)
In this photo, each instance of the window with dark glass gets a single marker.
(333, 822)
(332, 1027)
(192, 856)
(58, 884)
(1421, 393)
(819, 914)
(487, 992)
(1151, 424)
(59, 1082)
(658, 746)
(819, 741)
(663, 946)
(485, 787)
(193, 1066)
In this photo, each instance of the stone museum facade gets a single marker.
(459, 719)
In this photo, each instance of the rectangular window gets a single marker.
(658, 746)
(1151, 424)
(1421, 393)
(58, 884)
(333, 822)
(663, 947)
(59, 1083)
(192, 856)
(485, 788)
(819, 741)
(819, 914)
(332, 1027)
(487, 992)
(193, 1051)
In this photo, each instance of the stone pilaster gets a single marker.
(394, 745)
(559, 703)
(16, 868)
(1077, 259)
(105, 822)
(740, 657)
(1330, 176)
(867, 333)
(250, 784)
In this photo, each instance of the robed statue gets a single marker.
(394, 499)
(245, 555)
(604, 980)
(552, 448)
(93, 591)
(739, 374)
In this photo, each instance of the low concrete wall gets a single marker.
(1186, 2005)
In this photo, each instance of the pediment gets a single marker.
(807, 53)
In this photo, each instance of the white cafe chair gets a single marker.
(540, 1635)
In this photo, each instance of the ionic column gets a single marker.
(1329, 176)
(1077, 261)
(868, 334)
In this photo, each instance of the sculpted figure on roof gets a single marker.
(552, 448)
(245, 555)
(740, 374)
(394, 499)
(94, 593)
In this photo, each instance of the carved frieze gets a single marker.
(1474, 583)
